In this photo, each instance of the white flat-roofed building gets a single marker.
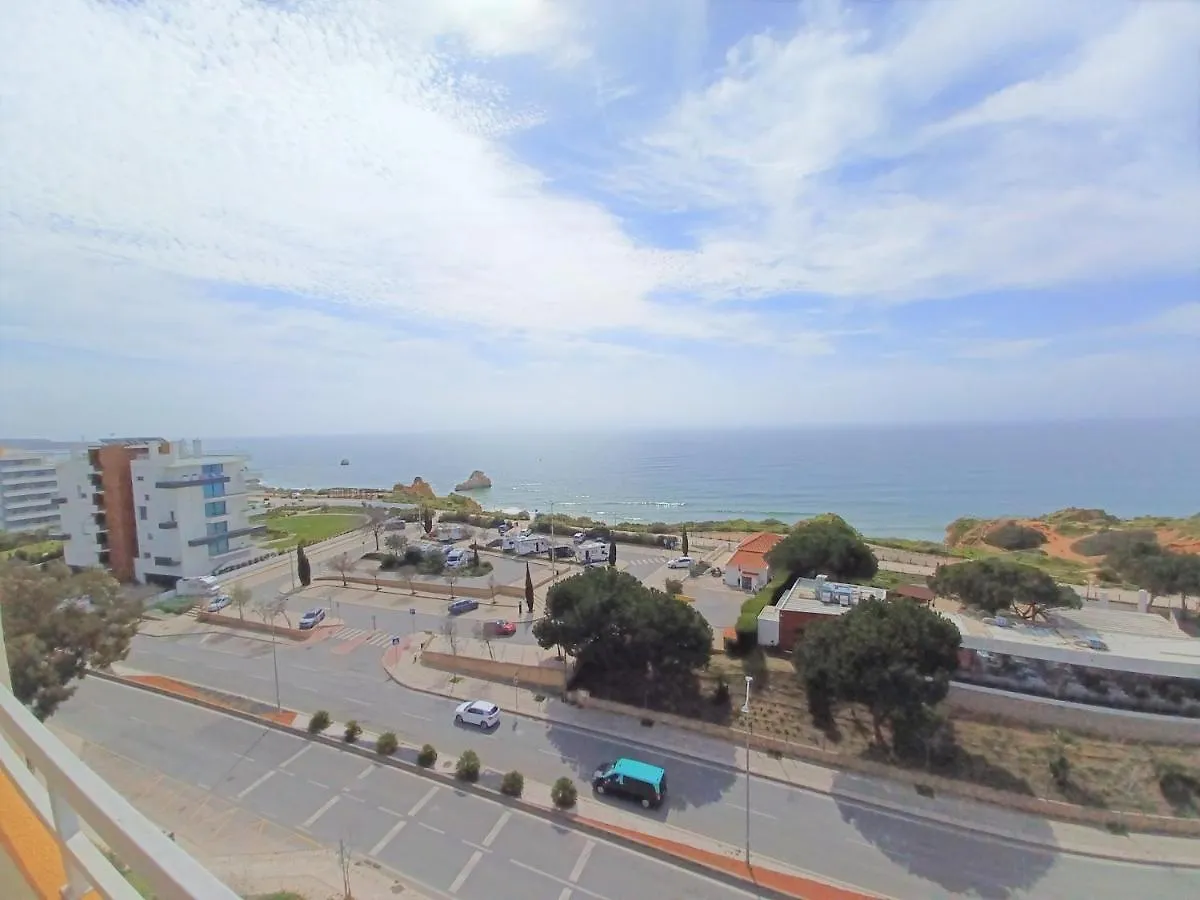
(28, 490)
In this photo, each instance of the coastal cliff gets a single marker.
(478, 481)
(417, 491)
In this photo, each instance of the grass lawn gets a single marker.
(285, 531)
(33, 550)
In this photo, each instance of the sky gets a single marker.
(375, 216)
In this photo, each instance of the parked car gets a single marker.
(680, 562)
(479, 713)
(457, 558)
(500, 628)
(219, 603)
(563, 552)
(633, 780)
(462, 605)
(312, 618)
(578, 538)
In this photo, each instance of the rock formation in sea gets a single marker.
(418, 490)
(477, 482)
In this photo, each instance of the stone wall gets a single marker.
(551, 676)
(1098, 720)
(1033, 805)
(293, 634)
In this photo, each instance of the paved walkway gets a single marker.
(403, 666)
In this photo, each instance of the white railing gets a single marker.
(72, 792)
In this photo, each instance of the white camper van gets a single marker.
(201, 586)
(534, 543)
(590, 552)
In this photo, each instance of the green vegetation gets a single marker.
(1161, 572)
(1102, 543)
(747, 620)
(353, 732)
(175, 606)
(616, 627)
(1011, 536)
(467, 767)
(11, 540)
(387, 744)
(427, 757)
(319, 722)
(893, 658)
(825, 545)
(512, 784)
(1000, 585)
(959, 528)
(135, 880)
(932, 548)
(285, 532)
(57, 625)
(642, 532)
(673, 587)
(34, 552)
(563, 793)
(303, 566)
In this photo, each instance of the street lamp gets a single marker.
(275, 666)
(746, 720)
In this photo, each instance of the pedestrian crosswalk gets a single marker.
(363, 636)
(646, 561)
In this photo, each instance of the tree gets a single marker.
(343, 564)
(609, 620)
(57, 625)
(240, 596)
(475, 557)
(427, 519)
(684, 542)
(528, 590)
(612, 553)
(396, 543)
(895, 658)
(451, 577)
(825, 545)
(375, 518)
(303, 567)
(1161, 572)
(450, 633)
(1000, 585)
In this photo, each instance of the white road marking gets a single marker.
(254, 784)
(318, 784)
(753, 812)
(356, 701)
(584, 856)
(320, 812)
(365, 772)
(415, 716)
(431, 828)
(420, 804)
(386, 839)
(553, 753)
(565, 895)
(390, 812)
(139, 721)
(495, 832)
(295, 756)
(462, 876)
(557, 880)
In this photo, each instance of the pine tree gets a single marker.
(303, 568)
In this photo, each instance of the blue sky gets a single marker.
(236, 218)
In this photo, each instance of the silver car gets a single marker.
(479, 713)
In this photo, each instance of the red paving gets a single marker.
(797, 886)
(183, 689)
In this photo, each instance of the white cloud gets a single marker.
(1178, 321)
(999, 349)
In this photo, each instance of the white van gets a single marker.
(457, 558)
(201, 586)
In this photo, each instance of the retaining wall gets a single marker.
(552, 677)
(1033, 805)
(438, 587)
(1102, 721)
(294, 634)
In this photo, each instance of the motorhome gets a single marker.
(592, 552)
(534, 543)
(451, 532)
(457, 558)
(511, 537)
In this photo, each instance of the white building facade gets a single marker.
(28, 489)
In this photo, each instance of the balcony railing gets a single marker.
(166, 562)
(191, 481)
(233, 533)
(169, 523)
(73, 794)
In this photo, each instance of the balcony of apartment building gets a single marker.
(217, 537)
(48, 796)
(186, 481)
(96, 480)
(167, 562)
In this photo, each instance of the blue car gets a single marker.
(462, 605)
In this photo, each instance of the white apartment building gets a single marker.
(156, 511)
(28, 488)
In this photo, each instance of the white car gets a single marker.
(477, 712)
(680, 562)
(219, 603)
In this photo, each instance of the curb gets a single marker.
(627, 838)
(868, 804)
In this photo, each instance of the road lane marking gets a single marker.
(753, 812)
(584, 856)
(317, 784)
(138, 720)
(557, 880)
(431, 828)
(390, 812)
(295, 756)
(462, 876)
(495, 832)
(365, 772)
(386, 839)
(553, 753)
(415, 716)
(356, 702)
(420, 804)
(320, 812)
(255, 784)
(565, 894)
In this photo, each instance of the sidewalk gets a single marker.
(402, 666)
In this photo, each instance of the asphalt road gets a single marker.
(893, 854)
(446, 841)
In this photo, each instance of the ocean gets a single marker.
(900, 481)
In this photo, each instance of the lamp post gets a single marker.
(746, 720)
(275, 667)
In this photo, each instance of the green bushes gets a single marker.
(1011, 536)
(674, 587)
(563, 793)
(387, 744)
(747, 621)
(1105, 542)
(512, 784)
(427, 757)
(353, 731)
(467, 767)
(319, 722)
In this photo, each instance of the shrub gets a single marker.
(390, 562)
(674, 587)
(699, 568)
(721, 693)
(353, 731)
(1060, 770)
(319, 722)
(413, 556)
(563, 793)
(1011, 536)
(387, 744)
(1105, 542)
(427, 757)
(467, 767)
(512, 784)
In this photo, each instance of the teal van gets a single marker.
(633, 780)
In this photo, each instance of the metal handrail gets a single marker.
(72, 792)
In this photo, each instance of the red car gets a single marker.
(502, 628)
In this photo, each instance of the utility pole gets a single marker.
(275, 666)
(746, 722)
